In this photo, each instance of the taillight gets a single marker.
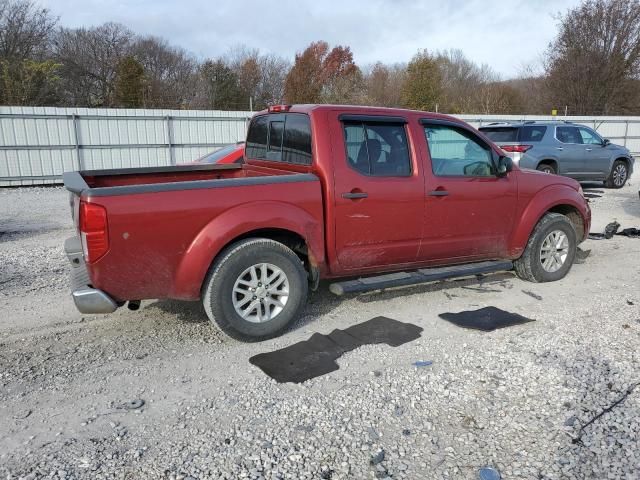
(279, 108)
(516, 148)
(93, 231)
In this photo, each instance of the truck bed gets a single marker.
(150, 179)
(165, 224)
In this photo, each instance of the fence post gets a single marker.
(76, 141)
(626, 132)
(172, 157)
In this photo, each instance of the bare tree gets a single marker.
(273, 71)
(461, 79)
(217, 86)
(24, 30)
(260, 77)
(169, 73)
(90, 59)
(594, 62)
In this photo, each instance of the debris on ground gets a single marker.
(532, 295)
(612, 229)
(486, 319)
(422, 363)
(132, 404)
(581, 255)
(628, 391)
(317, 356)
(631, 232)
(489, 473)
(377, 457)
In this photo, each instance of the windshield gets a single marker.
(218, 154)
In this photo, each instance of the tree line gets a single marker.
(591, 67)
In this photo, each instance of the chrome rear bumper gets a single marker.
(86, 298)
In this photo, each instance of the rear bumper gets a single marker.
(86, 298)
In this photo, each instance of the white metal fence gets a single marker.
(38, 144)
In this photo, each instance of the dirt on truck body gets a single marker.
(379, 197)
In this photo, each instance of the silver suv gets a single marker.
(563, 148)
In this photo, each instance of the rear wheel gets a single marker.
(255, 289)
(546, 168)
(619, 175)
(550, 251)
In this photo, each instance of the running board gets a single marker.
(423, 275)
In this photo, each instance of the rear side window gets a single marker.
(281, 138)
(377, 149)
(532, 133)
(568, 135)
(297, 140)
(257, 138)
(501, 134)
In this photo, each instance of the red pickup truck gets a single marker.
(370, 197)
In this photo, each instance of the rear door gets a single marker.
(469, 210)
(379, 192)
(571, 151)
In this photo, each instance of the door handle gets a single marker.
(588, 149)
(355, 195)
(438, 193)
(559, 148)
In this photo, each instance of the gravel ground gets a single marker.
(526, 400)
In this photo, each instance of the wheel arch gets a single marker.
(285, 223)
(549, 161)
(555, 199)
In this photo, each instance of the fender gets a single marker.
(543, 201)
(235, 223)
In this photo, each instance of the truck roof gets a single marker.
(314, 107)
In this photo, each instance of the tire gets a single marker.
(618, 176)
(530, 265)
(232, 273)
(546, 168)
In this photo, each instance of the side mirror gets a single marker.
(505, 165)
(606, 142)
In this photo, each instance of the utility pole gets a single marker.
(251, 104)
(566, 108)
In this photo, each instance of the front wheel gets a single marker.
(550, 250)
(256, 288)
(618, 176)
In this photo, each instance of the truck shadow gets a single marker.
(323, 302)
(185, 312)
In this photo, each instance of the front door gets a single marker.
(596, 158)
(379, 193)
(469, 211)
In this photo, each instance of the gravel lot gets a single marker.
(519, 399)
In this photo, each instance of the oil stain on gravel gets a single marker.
(317, 356)
(486, 319)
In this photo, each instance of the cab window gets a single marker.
(377, 149)
(457, 152)
(280, 138)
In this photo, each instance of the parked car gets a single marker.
(232, 153)
(326, 192)
(563, 148)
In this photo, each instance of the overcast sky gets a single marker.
(504, 34)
